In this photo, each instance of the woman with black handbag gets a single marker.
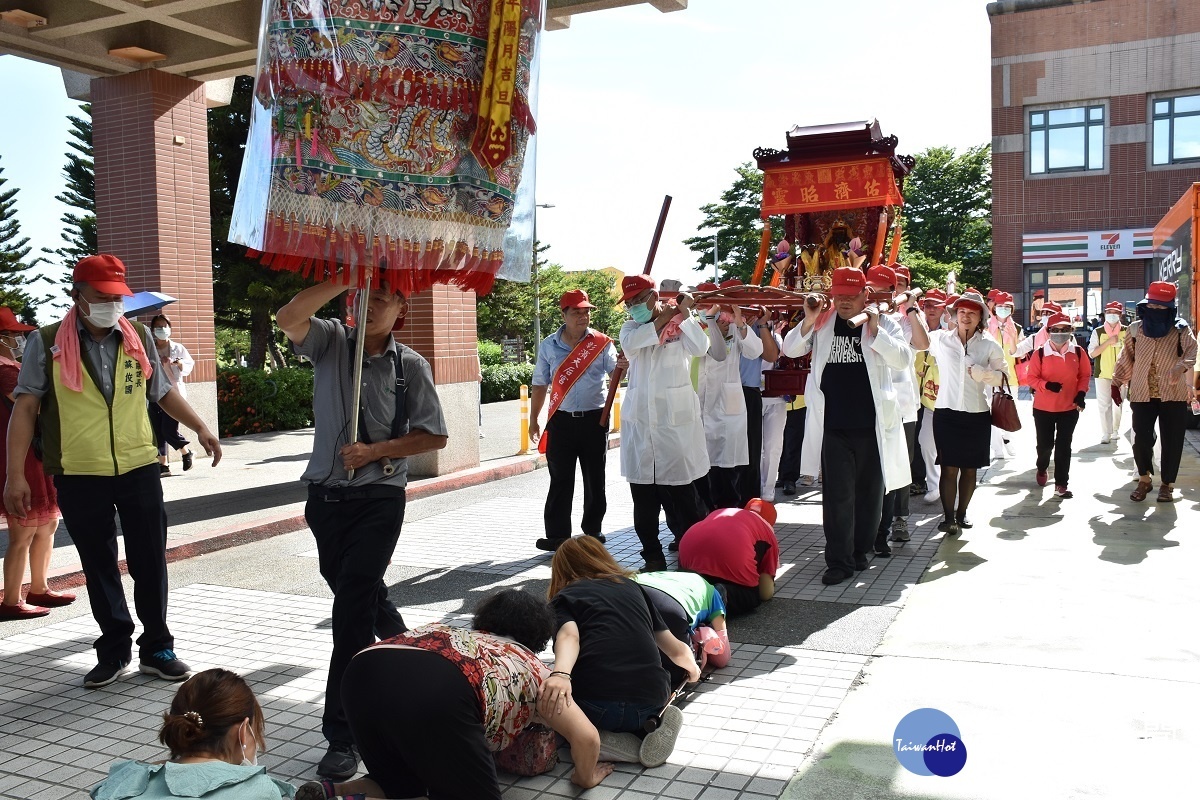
(30, 538)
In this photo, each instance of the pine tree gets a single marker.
(79, 230)
(15, 275)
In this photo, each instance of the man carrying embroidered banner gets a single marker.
(573, 364)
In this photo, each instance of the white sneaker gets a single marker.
(933, 497)
(658, 745)
(624, 747)
(1009, 450)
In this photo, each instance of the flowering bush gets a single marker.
(254, 401)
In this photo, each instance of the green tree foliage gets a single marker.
(947, 211)
(79, 229)
(15, 275)
(737, 222)
(245, 293)
(507, 311)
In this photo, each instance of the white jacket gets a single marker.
(662, 438)
(882, 354)
(903, 379)
(722, 402)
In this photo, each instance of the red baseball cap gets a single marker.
(1039, 292)
(576, 298)
(707, 286)
(992, 293)
(104, 273)
(1003, 298)
(901, 272)
(1161, 292)
(633, 285)
(848, 281)
(764, 509)
(729, 284)
(1115, 305)
(951, 299)
(1051, 307)
(1058, 318)
(9, 322)
(881, 276)
(936, 296)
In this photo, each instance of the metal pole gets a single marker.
(360, 344)
(716, 261)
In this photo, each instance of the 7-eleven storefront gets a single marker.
(1084, 270)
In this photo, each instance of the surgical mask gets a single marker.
(1060, 338)
(162, 334)
(104, 315)
(641, 313)
(1003, 312)
(14, 343)
(1112, 319)
(253, 761)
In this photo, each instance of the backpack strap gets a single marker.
(400, 417)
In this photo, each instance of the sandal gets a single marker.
(1143, 488)
(1166, 493)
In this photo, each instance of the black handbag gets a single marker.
(1004, 408)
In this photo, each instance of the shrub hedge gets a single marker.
(254, 401)
(503, 381)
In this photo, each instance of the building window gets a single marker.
(1177, 129)
(1066, 139)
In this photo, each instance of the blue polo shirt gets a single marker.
(589, 390)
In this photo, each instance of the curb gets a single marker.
(71, 577)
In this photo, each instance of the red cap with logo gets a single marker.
(1116, 306)
(881, 276)
(707, 286)
(1002, 298)
(935, 296)
(9, 322)
(633, 285)
(576, 298)
(104, 273)
(1161, 292)
(1058, 318)
(848, 281)
(1051, 307)
(901, 272)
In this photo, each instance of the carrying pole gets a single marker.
(360, 345)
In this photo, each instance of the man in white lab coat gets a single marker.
(723, 404)
(662, 437)
(855, 435)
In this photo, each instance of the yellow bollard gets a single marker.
(524, 420)
(616, 410)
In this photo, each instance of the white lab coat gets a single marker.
(662, 438)
(722, 402)
(882, 353)
(903, 379)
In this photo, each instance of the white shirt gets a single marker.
(722, 402)
(958, 390)
(177, 352)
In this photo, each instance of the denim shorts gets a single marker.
(617, 716)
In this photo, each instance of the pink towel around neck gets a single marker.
(671, 329)
(66, 349)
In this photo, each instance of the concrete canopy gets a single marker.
(205, 40)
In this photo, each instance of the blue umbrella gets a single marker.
(142, 302)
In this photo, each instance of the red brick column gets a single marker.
(441, 326)
(150, 139)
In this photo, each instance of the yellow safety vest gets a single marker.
(928, 378)
(100, 439)
(1108, 359)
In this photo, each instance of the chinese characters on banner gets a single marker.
(801, 189)
(492, 144)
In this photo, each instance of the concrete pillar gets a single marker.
(441, 327)
(150, 140)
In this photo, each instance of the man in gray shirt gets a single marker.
(98, 444)
(356, 522)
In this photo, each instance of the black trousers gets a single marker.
(750, 476)
(793, 442)
(90, 505)
(416, 720)
(355, 542)
(575, 439)
(724, 487)
(166, 428)
(683, 511)
(1172, 418)
(853, 495)
(918, 459)
(1055, 430)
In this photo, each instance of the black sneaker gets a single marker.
(164, 471)
(339, 763)
(165, 665)
(673, 546)
(881, 545)
(550, 545)
(833, 576)
(187, 460)
(104, 673)
(599, 537)
(655, 565)
(789, 488)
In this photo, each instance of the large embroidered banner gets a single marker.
(805, 188)
(389, 134)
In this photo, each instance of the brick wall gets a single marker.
(441, 327)
(1088, 51)
(152, 197)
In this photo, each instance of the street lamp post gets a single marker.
(537, 302)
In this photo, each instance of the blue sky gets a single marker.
(636, 104)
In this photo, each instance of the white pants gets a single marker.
(774, 419)
(1110, 412)
(933, 473)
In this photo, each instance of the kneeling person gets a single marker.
(736, 550)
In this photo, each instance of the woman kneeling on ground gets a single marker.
(429, 707)
(214, 731)
(606, 654)
(694, 612)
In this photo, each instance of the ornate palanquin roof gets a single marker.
(840, 141)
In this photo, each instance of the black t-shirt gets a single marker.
(845, 384)
(618, 657)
